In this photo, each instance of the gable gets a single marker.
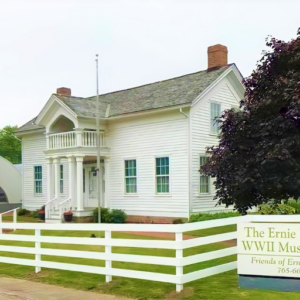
(52, 111)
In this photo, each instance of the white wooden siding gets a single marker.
(224, 94)
(143, 140)
(33, 155)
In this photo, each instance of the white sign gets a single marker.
(269, 249)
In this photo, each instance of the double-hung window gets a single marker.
(61, 179)
(38, 179)
(215, 111)
(130, 177)
(162, 175)
(204, 180)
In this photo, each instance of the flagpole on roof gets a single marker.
(98, 145)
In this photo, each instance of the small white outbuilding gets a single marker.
(10, 183)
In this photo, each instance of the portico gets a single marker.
(75, 187)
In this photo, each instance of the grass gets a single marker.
(211, 288)
(26, 219)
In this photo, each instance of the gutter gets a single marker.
(189, 160)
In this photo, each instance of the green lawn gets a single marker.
(222, 286)
(20, 219)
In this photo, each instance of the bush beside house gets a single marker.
(110, 215)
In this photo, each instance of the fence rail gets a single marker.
(108, 242)
(14, 210)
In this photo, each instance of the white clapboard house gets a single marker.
(153, 141)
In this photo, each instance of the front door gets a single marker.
(91, 196)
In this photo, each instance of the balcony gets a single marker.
(73, 139)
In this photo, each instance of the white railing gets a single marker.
(62, 140)
(70, 139)
(50, 207)
(89, 139)
(108, 256)
(64, 206)
(14, 216)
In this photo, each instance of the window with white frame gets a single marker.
(204, 180)
(215, 111)
(130, 176)
(38, 179)
(61, 179)
(162, 175)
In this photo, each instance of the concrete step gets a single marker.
(50, 220)
(54, 216)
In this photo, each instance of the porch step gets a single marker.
(51, 220)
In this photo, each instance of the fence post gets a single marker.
(37, 248)
(108, 252)
(15, 218)
(179, 255)
(0, 223)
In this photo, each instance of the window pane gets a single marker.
(131, 186)
(61, 183)
(162, 166)
(203, 160)
(130, 167)
(61, 171)
(130, 176)
(38, 179)
(204, 184)
(162, 172)
(163, 184)
(215, 111)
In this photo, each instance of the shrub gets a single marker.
(105, 215)
(23, 212)
(207, 216)
(177, 221)
(275, 209)
(35, 214)
(118, 216)
(295, 205)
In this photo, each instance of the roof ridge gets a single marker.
(136, 87)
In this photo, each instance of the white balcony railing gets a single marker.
(74, 139)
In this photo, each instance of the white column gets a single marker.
(79, 166)
(106, 181)
(71, 160)
(48, 140)
(79, 133)
(49, 179)
(56, 162)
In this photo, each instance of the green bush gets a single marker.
(275, 209)
(110, 216)
(105, 215)
(207, 216)
(35, 214)
(295, 204)
(118, 216)
(23, 212)
(178, 221)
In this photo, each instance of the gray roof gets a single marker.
(172, 92)
(30, 126)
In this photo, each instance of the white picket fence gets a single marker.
(178, 245)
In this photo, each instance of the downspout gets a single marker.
(189, 163)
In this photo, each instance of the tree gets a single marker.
(10, 145)
(258, 155)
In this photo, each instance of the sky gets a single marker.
(45, 45)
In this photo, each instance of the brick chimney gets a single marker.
(63, 91)
(217, 56)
